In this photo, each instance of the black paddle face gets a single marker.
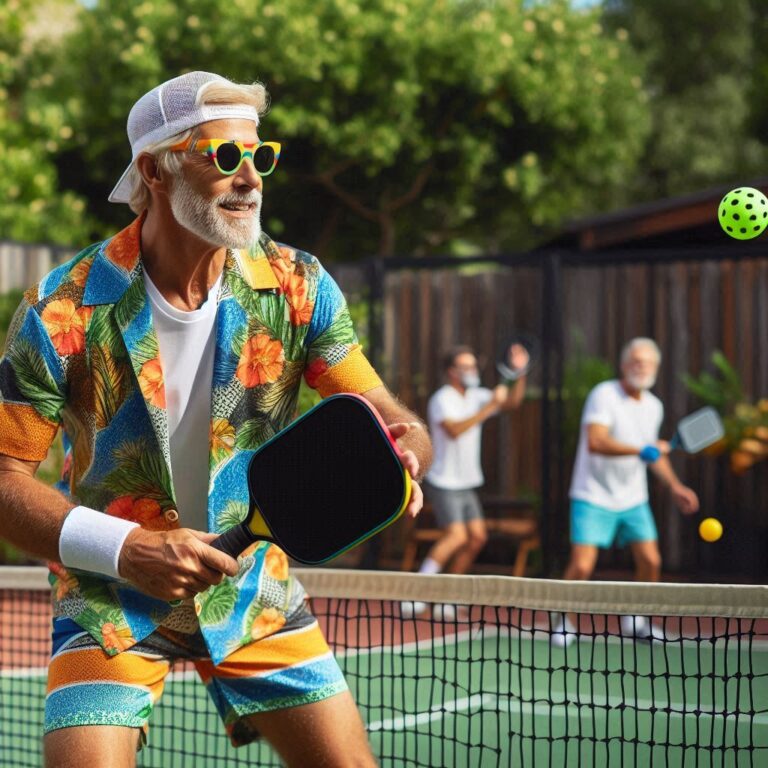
(327, 481)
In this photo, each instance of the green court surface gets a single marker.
(492, 700)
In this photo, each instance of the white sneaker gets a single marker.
(641, 628)
(411, 608)
(562, 631)
(444, 612)
(634, 626)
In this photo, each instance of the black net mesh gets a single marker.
(444, 683)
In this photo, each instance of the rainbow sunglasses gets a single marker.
(228, 155)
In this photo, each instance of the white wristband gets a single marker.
(91, 541)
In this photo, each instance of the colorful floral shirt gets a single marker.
(82, 355)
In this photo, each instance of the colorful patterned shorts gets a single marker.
(292, 667)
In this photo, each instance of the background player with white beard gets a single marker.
(609, 490)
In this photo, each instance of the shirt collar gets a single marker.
(118, 263)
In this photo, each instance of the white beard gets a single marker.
(202, 216)
(641, 382)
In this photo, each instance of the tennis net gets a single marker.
(478, 671)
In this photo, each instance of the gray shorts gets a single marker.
(451, 506)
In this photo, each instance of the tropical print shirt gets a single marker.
(82, 356)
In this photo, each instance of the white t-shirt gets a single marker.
(456, 462)
(616, 482)
(187, 346)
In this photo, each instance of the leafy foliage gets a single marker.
(703, 87)
(34, 125)
(407, 124)
(745, 423)
(723, 391)
(9, 304)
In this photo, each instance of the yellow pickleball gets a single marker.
(710, 529)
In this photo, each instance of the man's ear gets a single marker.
(150, 171)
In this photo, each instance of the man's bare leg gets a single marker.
(477, 535)
(325, 734)
(91, 746)
(453, 538)
(582, 563)
(580, 567)
(647, 560)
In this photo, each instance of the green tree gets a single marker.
(408, 125)
(33, 127)
(701, 79)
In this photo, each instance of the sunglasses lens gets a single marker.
(228, 157)
(264, 159)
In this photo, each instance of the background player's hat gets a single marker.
(169, 109)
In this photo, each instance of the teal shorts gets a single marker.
(600, 527)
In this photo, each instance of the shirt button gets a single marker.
(171, 515)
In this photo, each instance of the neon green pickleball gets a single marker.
(743, 213)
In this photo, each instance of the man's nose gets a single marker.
(247, 176)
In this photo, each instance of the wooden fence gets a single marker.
(23, 265)
(690, 307)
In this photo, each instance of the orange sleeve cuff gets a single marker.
(24, 433)
(353, 374)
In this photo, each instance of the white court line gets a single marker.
(478, 701)
(542, 635)
(435, 713)
(515, 707)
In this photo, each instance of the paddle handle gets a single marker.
(674, 442)
(235, 540)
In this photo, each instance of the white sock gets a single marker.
(430, 566)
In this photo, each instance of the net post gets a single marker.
(551, 377)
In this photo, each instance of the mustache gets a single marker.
(642, 382)
(232, 198)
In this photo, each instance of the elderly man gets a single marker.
(167, 354)
(609, 490)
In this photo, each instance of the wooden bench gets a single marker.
(513, 519)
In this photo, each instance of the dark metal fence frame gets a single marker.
(551, 263)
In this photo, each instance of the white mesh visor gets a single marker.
(170, 109)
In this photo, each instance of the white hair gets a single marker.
(640, 341)
(214, 92)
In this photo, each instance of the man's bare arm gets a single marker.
(455, 429)
(31, 512)
(684, 497)
(165, 564)
(416, 439)
(516, 395)
(504, 399)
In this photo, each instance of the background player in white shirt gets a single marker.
(456, 413)
(609, 490)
